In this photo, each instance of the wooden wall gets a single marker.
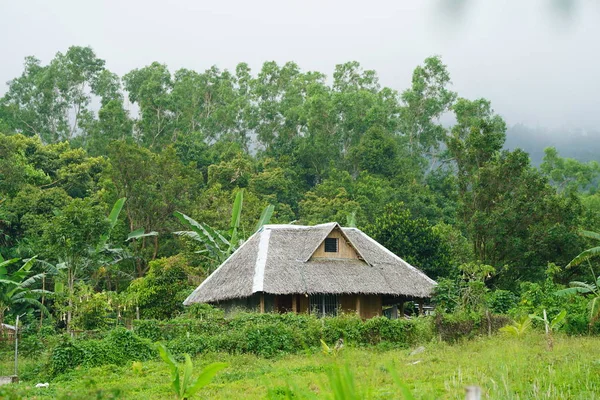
(368, 306)
(302, 303)
(344, 249)
(347, 303)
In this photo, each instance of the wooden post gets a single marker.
(394, 314)
(358, 305)
(294, 304)
(262, 303)
(420, 307)
(402, 310)
(473, 393)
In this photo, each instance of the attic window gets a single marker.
(331, 245)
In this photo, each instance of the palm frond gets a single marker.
(590, 234)
(571, 291)
(584, 256)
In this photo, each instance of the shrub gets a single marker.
(125, 346)
(453, 327)
(119, 347)
(500, 301)
(148, 329)
(160, 294)
(192, 344)
(65, 356)
(345, 326)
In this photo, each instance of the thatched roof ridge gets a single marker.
(277, 260)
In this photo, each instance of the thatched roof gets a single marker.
(278, 260)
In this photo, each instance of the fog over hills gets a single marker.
(583, 145)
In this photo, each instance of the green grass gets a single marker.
(505, 367)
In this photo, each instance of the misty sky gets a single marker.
(536, 60)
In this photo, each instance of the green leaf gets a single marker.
(584, 256)
(265, 217)
(188, 369)
(174, 367)
(6, 263)
(236, 212)
(116, 210)
(590, 234)
(205, 234)
(22, 272)
(139, 233)
(113, 217)
(206, 376)
(558, 320)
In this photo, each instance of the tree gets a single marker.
(150, 88)
(53, 102)
(568, 175)
(17, 288)
(160, 294)
(423, 105)
(70, 238)
(412, 239)
(155, 185)
(475, 138)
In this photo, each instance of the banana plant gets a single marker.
(17, 288)
(217, 246)
(517, 328)
(590, 289)
(182, 382)
(554, 324)
(586, 255)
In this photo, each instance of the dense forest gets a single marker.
(94, 166)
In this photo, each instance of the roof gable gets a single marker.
(332, 228)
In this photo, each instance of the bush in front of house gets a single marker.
(269, 335)
(118, 347)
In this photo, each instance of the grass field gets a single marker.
(505, 367)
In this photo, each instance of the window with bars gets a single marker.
(323, 304)
(331, 245)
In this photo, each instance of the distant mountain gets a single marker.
(575, 143)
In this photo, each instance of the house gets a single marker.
(316, 269)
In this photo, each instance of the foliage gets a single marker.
(517, 328)
(591, 289)
(218, 247)
(567, 174)
(271, 335)
(119, 347)
(465, 325)
(17, 289)
(555, 323)
(412, 239)
(501, 301)
(184, 386)
(586, 255)
(161, 292)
